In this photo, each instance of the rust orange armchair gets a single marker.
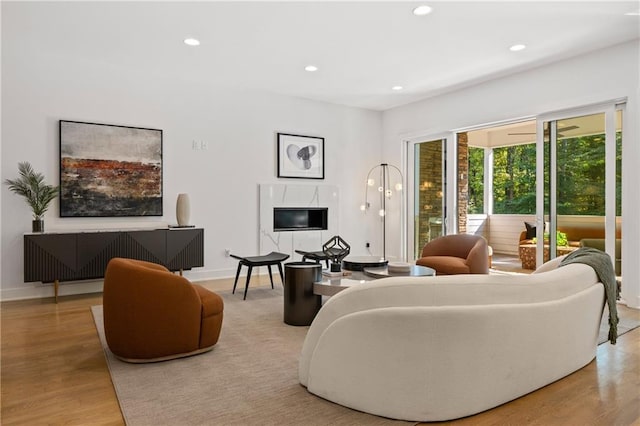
(151, 314)
(456, 254)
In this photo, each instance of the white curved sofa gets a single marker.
(440, 348)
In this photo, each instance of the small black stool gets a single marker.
(317, 256)
(273, 258)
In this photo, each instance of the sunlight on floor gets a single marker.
(507, 263)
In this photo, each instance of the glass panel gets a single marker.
(429, 184)
(580, 183)
(618, 259)
(476, 180)
(514, 179)
(546, 139)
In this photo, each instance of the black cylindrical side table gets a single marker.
(300, 304)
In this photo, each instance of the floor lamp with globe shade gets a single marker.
(386, 180)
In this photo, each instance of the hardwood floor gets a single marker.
(508, 263)
(53, 371)
(53, 367)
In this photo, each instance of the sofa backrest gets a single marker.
(468, 289)
(456, 245)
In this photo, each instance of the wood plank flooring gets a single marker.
(53, 371)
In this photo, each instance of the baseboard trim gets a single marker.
(70, 288)
(630, 302)
(43, 291)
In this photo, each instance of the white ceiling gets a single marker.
(362, 48)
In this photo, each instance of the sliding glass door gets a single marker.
(427, 165)
(579, 182)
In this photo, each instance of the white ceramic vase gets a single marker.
(183, 209)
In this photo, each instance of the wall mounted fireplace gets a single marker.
(300, 218)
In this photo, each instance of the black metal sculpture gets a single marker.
(336, 249)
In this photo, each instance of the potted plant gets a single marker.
(38, 194)
(561, 239)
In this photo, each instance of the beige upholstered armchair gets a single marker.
(456, 254)
(151, 314)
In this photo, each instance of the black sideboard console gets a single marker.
(55, 257)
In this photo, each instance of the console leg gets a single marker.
(56, 285)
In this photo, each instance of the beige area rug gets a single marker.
(249, 378)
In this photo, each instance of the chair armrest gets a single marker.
(478, 258)
(212, 313)
(212, 303)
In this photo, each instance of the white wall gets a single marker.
(600, 76)
(239, 126)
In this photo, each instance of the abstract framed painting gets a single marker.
(300, 156)
(108, 170)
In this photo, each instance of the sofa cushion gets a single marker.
(531, 230)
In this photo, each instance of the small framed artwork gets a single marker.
(300, 156)
(108, 170)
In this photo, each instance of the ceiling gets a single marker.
(361, 48)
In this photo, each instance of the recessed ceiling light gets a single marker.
(311, 68)
(191, 42)
(397, 88)
(422, 10)
(517, 47)
(636, 13)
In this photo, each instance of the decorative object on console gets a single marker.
(385, 192)
(336, 249)
(300, 156)
(36, 192)
(108, 170)
(183, 209)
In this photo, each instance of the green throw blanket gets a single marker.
(601, 264)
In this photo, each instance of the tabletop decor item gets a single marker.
(399, 267)
(37, 193)
(183, 209)
(336, 249)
